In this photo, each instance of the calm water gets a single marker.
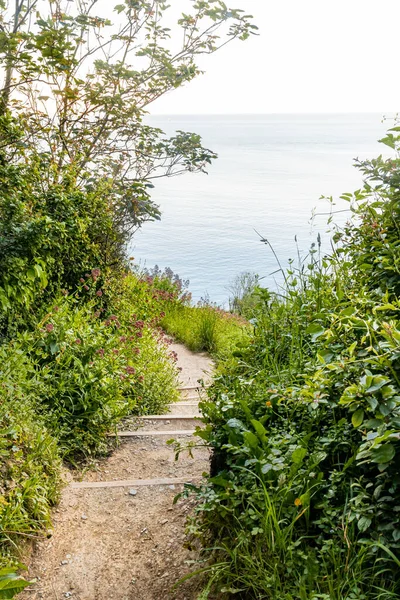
(270, 175)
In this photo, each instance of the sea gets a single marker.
(271, 182)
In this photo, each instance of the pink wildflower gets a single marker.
(95, 274)
(49, 327)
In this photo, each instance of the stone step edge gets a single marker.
(193, 387)
(82, 485)
(183, 404)
(144, 433)
(168, 417)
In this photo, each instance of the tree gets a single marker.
(77, 160)
(80, 83)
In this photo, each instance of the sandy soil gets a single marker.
(123, 543)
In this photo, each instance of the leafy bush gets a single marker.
(30, 464)
(49, 235)
(304, 495)
(96, 368)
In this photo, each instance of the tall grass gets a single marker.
(277, 565)
(206, 328)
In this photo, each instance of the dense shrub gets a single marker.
(30, 464)
(304, 495)
(97, 367)
(50, 235)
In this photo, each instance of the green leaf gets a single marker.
(364, 523)
(259, 428)
(389, 140)
(348, 312)
(220, 481)
(251, 440)
(315, 330)
(298, 455)
(325, 356)
(236, 424)
(31, 274)
(54, 347)
(10, 584)
(396, 535)
(358, 417)
(383, 454)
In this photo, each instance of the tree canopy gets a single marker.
(77, 158)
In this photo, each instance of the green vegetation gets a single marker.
(206, 328)
(10, 583)
(67, 381)
(303, 501)
(80, 343)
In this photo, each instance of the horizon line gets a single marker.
(384, 113)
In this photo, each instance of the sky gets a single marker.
(311, 56)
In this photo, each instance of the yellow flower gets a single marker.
(268, 403)
(297, 502)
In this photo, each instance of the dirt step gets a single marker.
(133, 483)
(193, 394)
(192, 387)
(149, 433)
(145, 458)
(165, 423)
(168, 423)
(184, 408)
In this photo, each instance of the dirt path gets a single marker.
(117, 534)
